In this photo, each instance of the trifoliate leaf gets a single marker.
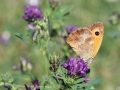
(67, 9)
(21, 37)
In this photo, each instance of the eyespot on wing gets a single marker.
(97, 32)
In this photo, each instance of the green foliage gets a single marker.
(6, 78)
(21, 37)
(82, 14)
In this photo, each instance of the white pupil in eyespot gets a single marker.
(97, 33)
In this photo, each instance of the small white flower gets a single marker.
(33, 2)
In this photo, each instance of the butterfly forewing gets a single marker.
(82, 42)
(97, 32)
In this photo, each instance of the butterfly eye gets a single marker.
(97, 33)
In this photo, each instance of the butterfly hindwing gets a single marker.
(82, 42)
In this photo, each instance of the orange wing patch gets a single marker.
(97, 32)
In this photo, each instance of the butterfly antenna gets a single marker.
(97, 67)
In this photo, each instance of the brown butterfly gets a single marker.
(86, 41)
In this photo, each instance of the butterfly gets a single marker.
(86, 41)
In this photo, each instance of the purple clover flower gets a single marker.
(28, 87)
(70, 29)
(71, 66)
(82, 67)
(32, 13)
(76, 67)
(54, 65)
(32, 27)
(5, 37)
(36, 84)
(54, 62)
(8, 86)
(54, 3)
(86, 80)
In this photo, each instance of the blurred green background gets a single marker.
(84, 13)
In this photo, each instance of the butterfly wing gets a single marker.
(97, 32)
(82, 42)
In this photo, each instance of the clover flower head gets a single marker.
(70, 29)
(76, 67)
(86, 80)
(28, 87)
(82, 67)
(5, 37)
(114, 18)
(54, 62)
(36, 84)
(54, 65)
(54, 3)
(71, 66)
(32, 13)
